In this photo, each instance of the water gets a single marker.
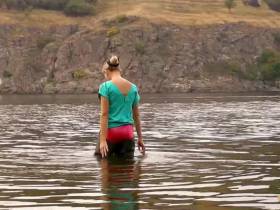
(203, 152)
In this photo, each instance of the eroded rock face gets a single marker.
(158, 58)
(274, 5)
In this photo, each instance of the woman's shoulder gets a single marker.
(105, 84)
(134, 86)
(109, 83)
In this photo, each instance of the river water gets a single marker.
(206, 152)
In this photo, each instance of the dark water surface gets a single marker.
(208, 152)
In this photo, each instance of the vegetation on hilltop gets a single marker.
(78, 8)
(85, 7)
(230, 4)
(187, 12)
(70, 7)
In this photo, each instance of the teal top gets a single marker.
(120, 106)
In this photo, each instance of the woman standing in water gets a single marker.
(119, 112)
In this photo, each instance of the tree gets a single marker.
(78, 8)
(230, 4)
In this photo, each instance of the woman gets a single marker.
(119, 112)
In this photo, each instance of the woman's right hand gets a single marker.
(141, 146)
(103, 148)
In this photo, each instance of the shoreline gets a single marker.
(77, 99)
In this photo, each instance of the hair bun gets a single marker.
(114, 61)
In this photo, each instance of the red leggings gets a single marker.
(119, 134)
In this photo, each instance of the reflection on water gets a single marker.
(117, 175)
(203, 153)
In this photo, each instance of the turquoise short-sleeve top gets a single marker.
(120, 106)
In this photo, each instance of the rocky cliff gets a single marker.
(157, 57)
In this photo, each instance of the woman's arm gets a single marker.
(137, 122)
(104, 126)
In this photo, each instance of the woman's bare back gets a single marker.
(123, 85)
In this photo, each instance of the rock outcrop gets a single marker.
(274, 5)
(157, 57)
(253, 3)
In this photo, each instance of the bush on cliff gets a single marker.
(233, 68)
(113, 31)
(140, 47)
(7, 74)
(121, 18)
(276, 37)
(79, 74)
(70, 7)
(269, 65)
(48, 4)
(78, 8)
(43, 4)
(14, 4)
(230, 4)
(43, 41)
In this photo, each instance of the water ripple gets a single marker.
(209, 153)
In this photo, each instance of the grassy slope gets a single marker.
(182, 12)
(193, 12)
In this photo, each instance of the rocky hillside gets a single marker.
(158, 57)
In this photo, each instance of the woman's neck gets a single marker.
(115, 75)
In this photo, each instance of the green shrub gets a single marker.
(267, 68)
(50, 87)
(49, 4)
(121, 18)
(43, 4)
(71, 7)
(271, 72)
(28, 11)
(79, 74)
(43, 41)
(230, 4)
(268, 56)
(140, 47)
(232, 68)
(113, 31)
(269, 65)
(276, 37)
(78, 8)
(251, 72)
(7, 74)
(15, 4)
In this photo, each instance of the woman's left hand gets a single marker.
(141, 146)
(103, 148)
